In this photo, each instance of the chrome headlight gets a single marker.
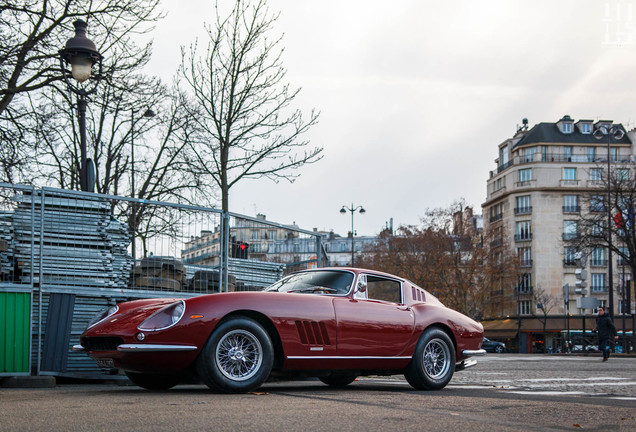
(102, 316)
(164, 318)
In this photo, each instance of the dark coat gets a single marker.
(605, 327)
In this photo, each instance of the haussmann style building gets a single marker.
(535, 200)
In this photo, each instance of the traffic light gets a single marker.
(240, 250)
(581, 274)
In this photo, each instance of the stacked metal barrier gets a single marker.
(6, 253)
(77, 242)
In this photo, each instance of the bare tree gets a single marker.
(32, 32)
(451, 259)
(249, 128)
(547, 302)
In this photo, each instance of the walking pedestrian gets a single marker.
(606, 330)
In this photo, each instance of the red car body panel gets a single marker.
(316, 332)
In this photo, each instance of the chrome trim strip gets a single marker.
(154, 348)
(471, 353)
(77, 348)
(346, 358)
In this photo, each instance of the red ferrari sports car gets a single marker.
(331, 323)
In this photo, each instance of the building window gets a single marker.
(496, 212)
(567, 128)
(569, 256)
(569, 173)
(525, 283)
(622, 174)
(523, 231)
(598, 257)
(525, 174)
(591, 154)
(525, 256)
(614, 154)
(596, 174)
(597, 203)
(570, 229)
(272, 235)
(567, 153)
(524, 307)
(597, 229)
(624, 252)
(529, 154)
(254, 235)
(523, 204)
(598, 282)
(586, 128)
(571, 204)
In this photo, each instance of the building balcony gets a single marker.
(572, 209)
(525, 184)
(496, 217)
(569, 183)
(598, 290)
(569, 262)
(523, 290)
(523, 237)
(598, 262)
(525, 263)
(496, 192)
(523, 210)
(496, 243)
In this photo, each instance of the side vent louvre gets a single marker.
(312, 333)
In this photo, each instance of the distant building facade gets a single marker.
(533, 205)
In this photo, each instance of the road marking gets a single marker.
(549, 393)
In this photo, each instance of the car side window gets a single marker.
(379, 288)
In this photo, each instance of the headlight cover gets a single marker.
(164, 318)
(101, 316)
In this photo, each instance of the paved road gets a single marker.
(502, 393)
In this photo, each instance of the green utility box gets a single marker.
(15, 322)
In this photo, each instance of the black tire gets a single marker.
(338, 380)
(237, 357)
(499, 349)
(153, 381)
(433, 362)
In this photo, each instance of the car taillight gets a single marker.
(164, 318)
(101, 316)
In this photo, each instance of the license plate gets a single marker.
(105, 363)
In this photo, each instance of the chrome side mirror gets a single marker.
(362, 286)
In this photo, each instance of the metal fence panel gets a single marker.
(103, 249)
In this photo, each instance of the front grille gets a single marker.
(101, 343)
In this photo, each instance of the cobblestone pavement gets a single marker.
(546, 374)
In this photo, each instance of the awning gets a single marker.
(506, 328)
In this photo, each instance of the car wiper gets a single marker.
(314, 289)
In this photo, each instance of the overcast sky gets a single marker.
(415, 95)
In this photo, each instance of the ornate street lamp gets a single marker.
(81, 54)
(352, 209)
(617, 133)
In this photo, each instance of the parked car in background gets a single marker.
(493, 346)
(331, 323)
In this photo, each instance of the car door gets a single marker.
(375, 322)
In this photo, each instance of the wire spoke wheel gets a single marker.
(239, 355)
(433, 362)
(436, 358)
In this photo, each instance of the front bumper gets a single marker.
(473, 353)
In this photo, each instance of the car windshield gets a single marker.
(315, 282)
